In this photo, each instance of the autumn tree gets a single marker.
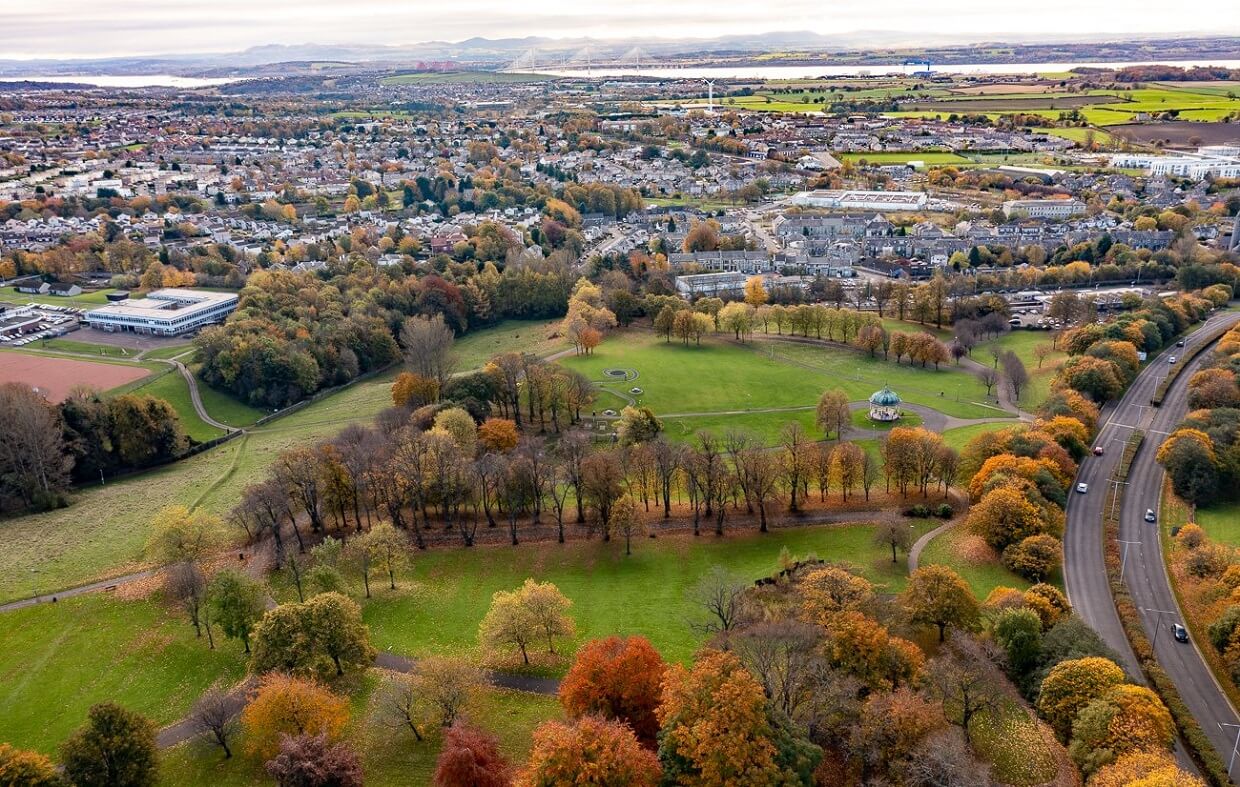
(1126, 719)
(638, 425)
(498, 435)
(237, 604)
(320, 636)
(894, 534)
(284, 706)
(315, 761)
(1144, 768)
(755, 292)
(535, 611)
(627, 520)
(412, 390)
(1004, 516)
(470, 757)
(617, 679)
(892, 727)
(937, 596)
(427, 343)
(1073, 684)
(437, 691)
(716, 728)
(832, 414)
(1034, 557)
(115, 748)
(590, 750)
(383, 547)
(20, 768)
(830, 589)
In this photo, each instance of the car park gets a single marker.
(1149, 515)
(1082, 487)
(1179, 632)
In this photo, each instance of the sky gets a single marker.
(63, 29)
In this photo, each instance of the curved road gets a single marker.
(1084, 567)
(1147, 579)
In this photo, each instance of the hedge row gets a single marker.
(1198, 745)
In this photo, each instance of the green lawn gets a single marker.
(983, 575)
(959, 437)
(96, 298)
(59, 659)
(170, 386)
(1221, 522)
(717, 385)
(390, 757)
(1022, 343)
(644, 594)
(929, 158)
(88, 348)
(104, 532)
(169, 352)
(474, 349)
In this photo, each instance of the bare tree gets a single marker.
(895, 534)
(989, 378)
(1015, 372)
(33, 463)
(185, 583)
(965, 677)
(783, 656)
(667, 462)
(427, 342)
(215, 711)
(943, 759)
(720, 594)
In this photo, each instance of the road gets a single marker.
(1084, 568)
(1147, 579)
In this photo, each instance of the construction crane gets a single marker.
(925, 63)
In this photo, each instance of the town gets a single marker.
(564, 419)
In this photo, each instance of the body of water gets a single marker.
(141, 80)
(815, 71)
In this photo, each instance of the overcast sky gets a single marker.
(95, 28)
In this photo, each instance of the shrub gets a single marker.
(944, 511)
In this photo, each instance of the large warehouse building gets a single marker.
(164, 312)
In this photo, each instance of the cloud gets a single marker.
(95, 28)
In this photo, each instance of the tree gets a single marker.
(177, 536)
(499, 435)
(737, 317)
(521, 616)
(755, 293)
(548, 609)
(828, 590)
(1071, 685)
(471, 757)
(1004, 516)
(638, 425)
(721, 595)
(832, 413)
(1019, 632)
(185, 584)
(895, 534)
(1034, 557)
(893, 726)
(215, 711)
(19, 768)
(1126, 719)
(1043, 351)
(627, 519)
(287, 706)
(115, 748)
(384, 547)
(411, 390)
(427, 342)
(591, 751)
(315, 761)
(965, 679)
(34, 467)
(1146, 769)
(783, 656)
(319, 636)
(937, 596)
(237, 604)
(618, 679)
(716, 728)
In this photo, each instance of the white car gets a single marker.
(1171, 359)
(1082, 487)
(1149, 515)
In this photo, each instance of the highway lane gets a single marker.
(1147, 579)
(1085, 575)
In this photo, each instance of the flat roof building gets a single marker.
(862, 200)
(164, 312)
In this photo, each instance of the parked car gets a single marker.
(1099, 450)
(1179, 632)
(1149, 515)
(1082, 487)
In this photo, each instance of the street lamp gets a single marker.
(1115, 482)
(1157, 628)
(1124, 558)
(1234, 746)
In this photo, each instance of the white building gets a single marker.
(1044, 208)
(164, 312)
(861, 200)
(1221, 161)
(710, 284)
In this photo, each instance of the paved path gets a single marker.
(196, 398)
(103, 584)
(919, 546)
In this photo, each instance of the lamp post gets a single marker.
(1115, 482)
(1157, 628)
(1124, 558)
(1234, 746)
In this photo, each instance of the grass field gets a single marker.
(86, 348)
(104, 532)
(59, 659)
(646, 593)
(169, 385)
(1221, 522)
(981, 569)
(959, 437)
(96, 298)
(929, 158)
(1022, 342)
(719, 384)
